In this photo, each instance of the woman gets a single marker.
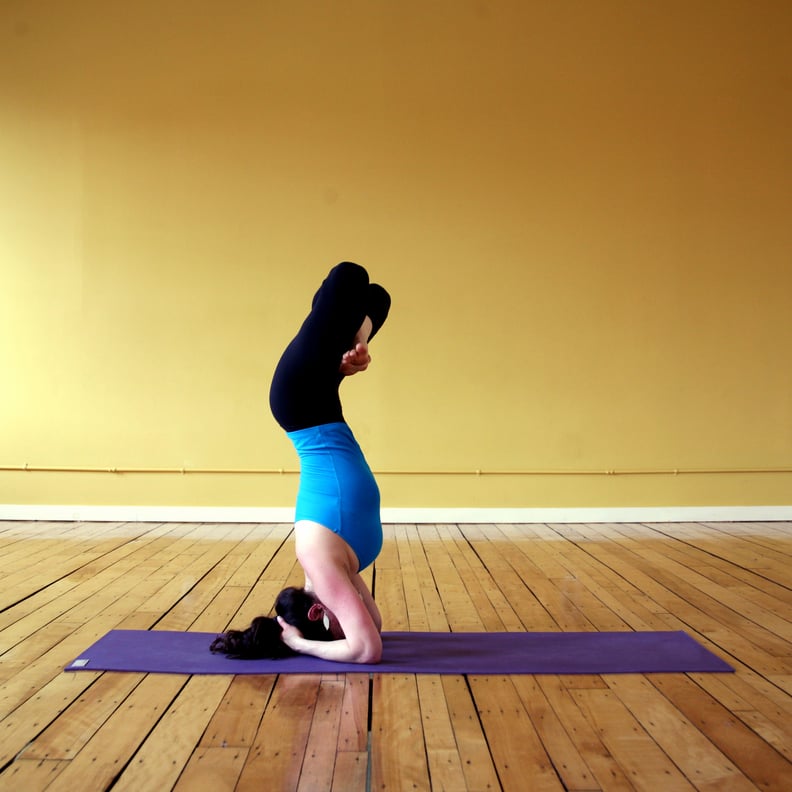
(337, 521)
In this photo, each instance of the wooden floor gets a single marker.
(64, 585)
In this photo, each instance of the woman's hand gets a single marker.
(290, 635)
(355, 360)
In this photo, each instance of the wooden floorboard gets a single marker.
(63, 585)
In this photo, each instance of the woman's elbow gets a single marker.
(370, 657)
(371, 653)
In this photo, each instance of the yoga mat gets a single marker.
(419, 653)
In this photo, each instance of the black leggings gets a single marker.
(304, 390)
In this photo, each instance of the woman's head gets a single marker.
(262, 639)
(302, 609)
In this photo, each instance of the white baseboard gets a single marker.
(213, 514)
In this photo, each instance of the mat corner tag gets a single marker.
(81, 663)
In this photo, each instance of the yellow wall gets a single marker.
(582, 211)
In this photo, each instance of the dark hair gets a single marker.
(262, 639)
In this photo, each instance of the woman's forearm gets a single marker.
(338, 651)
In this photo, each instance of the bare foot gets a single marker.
(355, 360)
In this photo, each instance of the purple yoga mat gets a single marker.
(419, 653)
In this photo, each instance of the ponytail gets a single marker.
(259, 641)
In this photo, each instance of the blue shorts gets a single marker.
(337, 488)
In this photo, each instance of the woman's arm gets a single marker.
(368, 601)
(330, 569)
(361, 642)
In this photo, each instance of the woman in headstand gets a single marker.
(337, 528)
